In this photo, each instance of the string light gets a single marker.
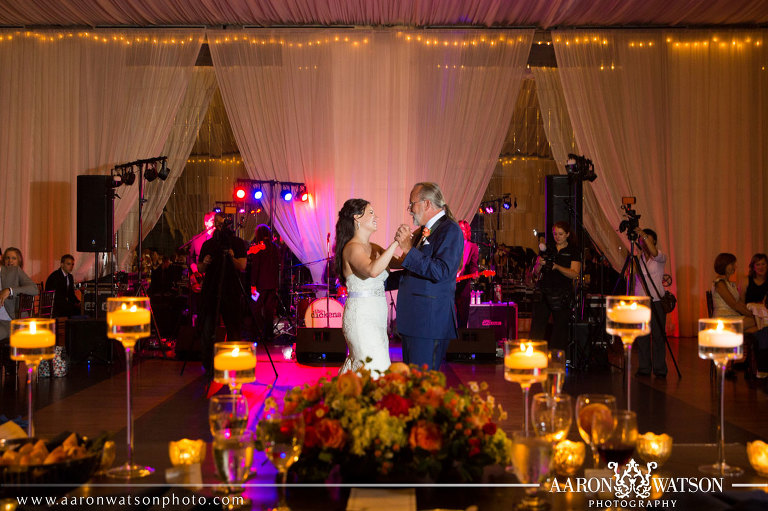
(52, 36)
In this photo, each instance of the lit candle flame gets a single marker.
(32, 327)
(529, 350)
(236, 351)
(719, 326)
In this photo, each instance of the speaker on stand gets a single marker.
(95, 220)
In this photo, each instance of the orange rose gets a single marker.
(312, 393)
(399, 368)
(349, 384)
(289, 408)
(426, 435)
(330, 434)
(431, 397)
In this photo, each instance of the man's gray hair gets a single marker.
(432, 193)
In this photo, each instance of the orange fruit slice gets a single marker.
(595, 412)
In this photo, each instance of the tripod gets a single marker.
(630, 263)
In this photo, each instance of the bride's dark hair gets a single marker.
(345, 229)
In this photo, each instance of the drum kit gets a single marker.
(313, 312)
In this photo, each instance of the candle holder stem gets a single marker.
(129, 403)
(129, 470)
(721, 468)
(628, 367)
(31, 368)
(526, 392)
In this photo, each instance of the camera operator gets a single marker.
(651, 349)
(559, 266)
(222, 258)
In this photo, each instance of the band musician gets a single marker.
(468, 267)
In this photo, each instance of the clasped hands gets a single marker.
(404, 237)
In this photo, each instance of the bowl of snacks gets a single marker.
(56, 465)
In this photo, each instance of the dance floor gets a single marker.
(169, 405)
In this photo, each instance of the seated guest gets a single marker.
(13, 257)
(65, 303)
(726, 298)
(757, 283)
(13, 282)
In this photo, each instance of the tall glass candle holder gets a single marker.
(32, 341)
(234, 363)
(525, 363)
(628, 317)
(128, 320)
(721, 340)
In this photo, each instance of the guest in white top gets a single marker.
(725, 295)
(652, 349)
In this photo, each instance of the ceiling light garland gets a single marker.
(126, 40)
(409, 37)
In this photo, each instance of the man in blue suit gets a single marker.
(426, 314)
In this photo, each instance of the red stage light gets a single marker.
(240, 193)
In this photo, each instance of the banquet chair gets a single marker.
(46, 305)
(26, 306)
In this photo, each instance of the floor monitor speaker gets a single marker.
(320, 345)
(473, 344)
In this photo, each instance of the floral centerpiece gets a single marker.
(404, 426)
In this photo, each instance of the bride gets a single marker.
(362, 267)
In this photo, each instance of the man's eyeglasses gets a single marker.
(411, 204)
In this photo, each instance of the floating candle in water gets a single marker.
(526, 358)
(234, 360)
(629, 313)
(719, 337)
(125, 316)
(32, 337)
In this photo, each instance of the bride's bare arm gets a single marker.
(368, 265)
(395, 263)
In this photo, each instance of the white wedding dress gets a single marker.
(364, 324)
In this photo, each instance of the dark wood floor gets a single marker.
(169, 405)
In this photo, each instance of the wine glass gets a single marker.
(531, 460)
(282, 437)
(234, 363)
(587, 405)
(525, 362)
(233, 456)
(128, 320)
(721, 340)
(551, 416)
(628, 317)
(555, 371)
(615, 440)
(228, 415)
(32, 340)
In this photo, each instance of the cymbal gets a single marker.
(315, 286)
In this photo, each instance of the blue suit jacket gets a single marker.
(425, 300)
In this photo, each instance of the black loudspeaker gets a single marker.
(94, 213)
(87, 341)
(563, 199)
(499, 318)
(473, 344)
(320, 345)
(188, 343)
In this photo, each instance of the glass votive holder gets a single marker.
(656, 448)
(757, 452)
(568, 457)
(186, 452)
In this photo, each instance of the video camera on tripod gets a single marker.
(632, 221)
(225, 231)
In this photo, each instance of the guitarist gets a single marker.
(264, 259)
(468, 267)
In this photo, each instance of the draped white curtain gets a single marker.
(368, 113)
(678, 119)
(177, 148)
(557, 124)
(78, 103)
